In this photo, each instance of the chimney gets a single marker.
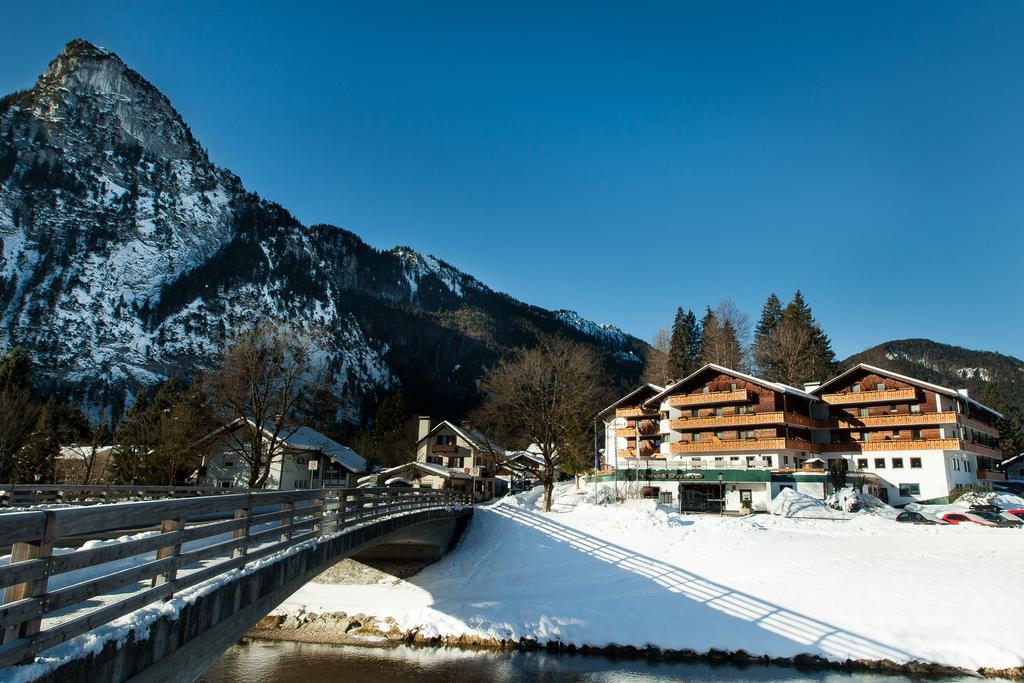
(424, 427)
(811, 386)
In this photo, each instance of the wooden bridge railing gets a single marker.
(17, 495)
(53, 594)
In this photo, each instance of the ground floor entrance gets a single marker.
(702, 497)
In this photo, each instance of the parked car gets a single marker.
(998, 518)
(983, 507)
(1016, 513)
(966, 518)
(908, 517)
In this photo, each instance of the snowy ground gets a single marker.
(851, 586)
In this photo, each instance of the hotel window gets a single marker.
(444, 439)
(910, 490)
(897, 463)
(664, 415)
(967, 465)
(734, 457)
(893, 409)
(743, 410)
(879, 463)
(879, 386)
(696, 438)
(862, 463)
(706, 389)
(718, 412)
(956, 465)
(863, 412)
(896, 433)
(695, 413)
(915, 463)
(866, 436)
(855, 389)
(915, 407)
(915, 434)
(749, 434)
(732, 386)
(785, 460)
(720, 435)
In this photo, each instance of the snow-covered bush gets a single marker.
(791, 503)
(845, 499)
(600, 495)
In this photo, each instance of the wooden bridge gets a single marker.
(172, 583)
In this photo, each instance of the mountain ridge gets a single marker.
(128, 256)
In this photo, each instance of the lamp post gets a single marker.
(721, 496)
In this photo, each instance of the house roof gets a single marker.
(904, 378)
(643, 387)
(776, 386)
(425, 467)
(303, 439)
(1012, 459)
(474, 436)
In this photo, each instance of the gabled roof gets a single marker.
(654, 388)
(775, 386)
(903, 378)
(425, 467)
(1011, 460)
(474, 436)
(302, 439)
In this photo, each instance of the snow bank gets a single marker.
(848, 499)
(640, 573)
(601, 494)
(791, 503)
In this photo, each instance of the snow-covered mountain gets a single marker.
(127, 255)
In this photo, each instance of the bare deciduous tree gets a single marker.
(656, 361)
(261, 390)
(546, 395)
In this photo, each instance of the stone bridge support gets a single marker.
(182, 648)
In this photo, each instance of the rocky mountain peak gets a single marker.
(91, 84)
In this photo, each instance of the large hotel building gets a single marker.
(720, 435)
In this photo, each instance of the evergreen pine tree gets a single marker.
(684, 345)
(36, 458)
(764, 336)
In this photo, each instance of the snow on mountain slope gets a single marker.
(128, 256)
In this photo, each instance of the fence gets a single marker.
(19, 495)
(53, 596)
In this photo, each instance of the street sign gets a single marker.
(314, 465)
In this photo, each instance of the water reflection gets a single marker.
(286, 662)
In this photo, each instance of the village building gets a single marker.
(463, 449)
(224, 464)
(83, 464)
(1013, 468)
(919, 439)
(722, 439)
(419, 475)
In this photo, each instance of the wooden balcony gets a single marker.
(652, 453)
(712, 398)
(991, 475)
(884, 396)
(635, 412)
(744, 420)
(981, 449)
(444, 448)
(894, 445)
(741, 445)
(893, 420)
(979, 426)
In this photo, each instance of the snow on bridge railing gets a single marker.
(24, 495)
(53, 594)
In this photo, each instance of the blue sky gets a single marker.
(622, 160)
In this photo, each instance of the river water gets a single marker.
(264, 661)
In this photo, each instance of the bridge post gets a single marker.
(243, 533)
(169, 526)
(23, 552)
(287, 506)
(318, 513)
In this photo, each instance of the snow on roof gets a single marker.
(657, 390)
(304, 439)
(474, 436)
(80, 451)
(910, 380)
(777, 386)
(1012, 459)
(428, 467)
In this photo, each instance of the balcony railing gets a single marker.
(979, 426)
(893, 420)
(644, 453)
(444, 448)
(982, 449)
(876, 396)
(739, 445)
(894, 445)
(635, 412)
(991, 475)
(712, 398)
(740, 420)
